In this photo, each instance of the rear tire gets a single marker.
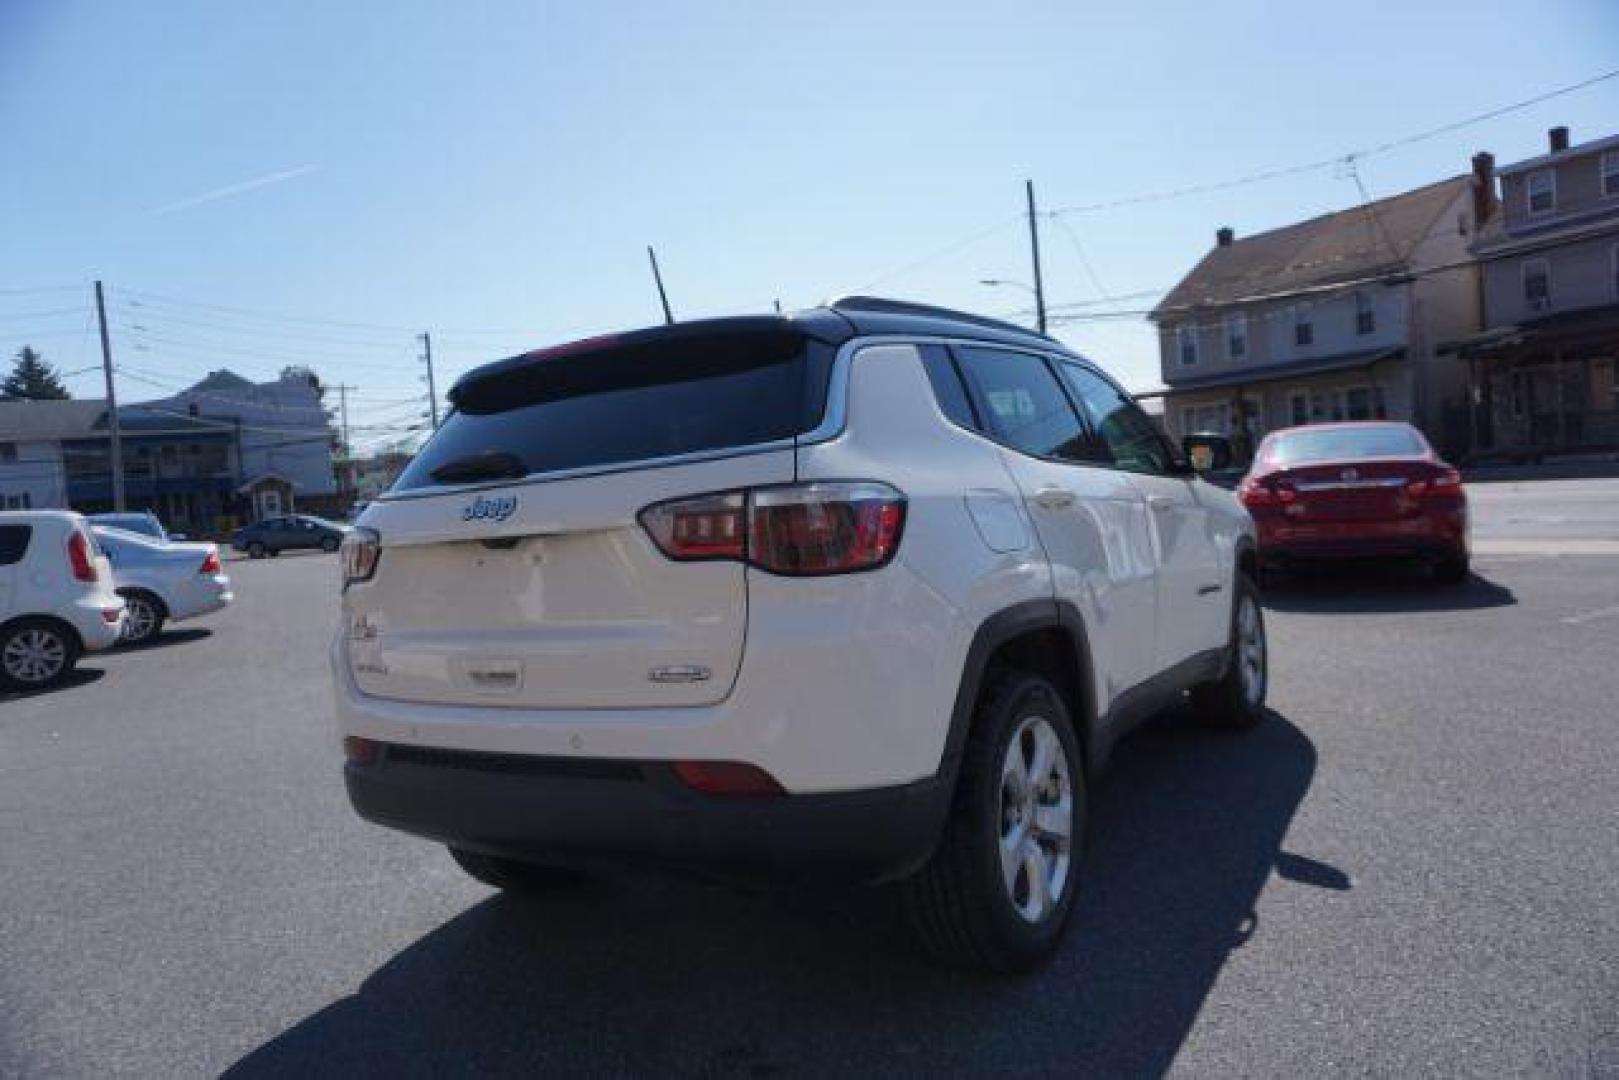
(328, 544)
(1236, 700)
(513, 875)
(36, 653)
(143, 618)
(1453, 569)
(255, 550)
(998, 892)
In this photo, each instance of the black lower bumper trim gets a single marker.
(593, 812)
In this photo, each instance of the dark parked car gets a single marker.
(290, 532)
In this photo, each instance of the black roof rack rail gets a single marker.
(879, 305)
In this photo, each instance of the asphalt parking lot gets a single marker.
(1411, 867)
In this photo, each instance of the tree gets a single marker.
(33, 377)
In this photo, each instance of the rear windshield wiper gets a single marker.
(490, 465)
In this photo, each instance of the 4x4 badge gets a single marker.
(481, 509)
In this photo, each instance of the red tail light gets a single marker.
(1447, 482)
(361, 751)
(726, 778)
(211, 564)
(1254, 493)
(797, 530)
(79, 558)
(707, 527)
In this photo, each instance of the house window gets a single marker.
(1298, 405)
(8, 453)
(1610, 174)
(1519, 396)
(1186, 345)
(1365, 317)
(1303, 328)
(1603, 390)
(1542, 189)
(1614, 267)
(1205, 419)
(1236, 337)
(1537, 284)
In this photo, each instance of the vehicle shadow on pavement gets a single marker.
(79, 676)
(642, 976)
(170, 638)
(1378, 589)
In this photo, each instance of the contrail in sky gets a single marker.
(231, 189)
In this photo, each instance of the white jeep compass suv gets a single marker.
(864, 593)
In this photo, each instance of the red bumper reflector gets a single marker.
(361, 751)
(726, 778)
(110, 614)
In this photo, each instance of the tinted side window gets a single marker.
(1130, 438)
(1022, 403)
(14, 543)
(947, 387)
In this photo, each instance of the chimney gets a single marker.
(1224, 236)
(1483, 188)
(1557, 139)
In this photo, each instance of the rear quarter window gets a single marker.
(14, 543)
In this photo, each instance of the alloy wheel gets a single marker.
(1036, 819)
(140, 619)
(35, 655)
(1251, 650)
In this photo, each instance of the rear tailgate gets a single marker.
(565, 603)
(544, 590)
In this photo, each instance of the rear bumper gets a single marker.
(1436, 535)
(89, 620)
(202, 596)
(614, 813)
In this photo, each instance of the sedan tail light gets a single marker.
(211, 565)
(1254, 493)
(79, 559)
(1447, 482)
(797, 530)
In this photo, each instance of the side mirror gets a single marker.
(1208, 452)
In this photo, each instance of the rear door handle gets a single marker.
(1161, 503)
(1053, 497)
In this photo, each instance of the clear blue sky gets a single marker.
(457, 167)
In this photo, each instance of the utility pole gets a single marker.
(112, 405)
(1034, 249)
(432, 390)
(657, 276)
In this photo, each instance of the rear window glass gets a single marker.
(604, 407)
(14, 543)
(1327, 444)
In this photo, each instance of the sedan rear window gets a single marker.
(650, 396)
(1331, 444)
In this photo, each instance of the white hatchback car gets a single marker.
(56, 597)
(868, 592)
(162, 580)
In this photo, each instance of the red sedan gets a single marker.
(1358, 490)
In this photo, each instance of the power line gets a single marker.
(1325, 163)
(948, 249)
